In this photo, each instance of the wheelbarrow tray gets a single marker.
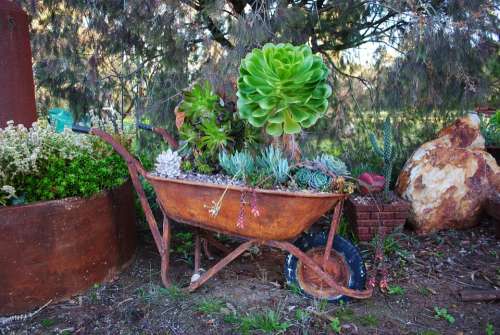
(282, 215)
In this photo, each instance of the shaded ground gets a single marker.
(249, 297)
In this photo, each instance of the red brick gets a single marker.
(366, 223)
(393, 223)
(363, 230)
(365, 237)
(363, 215)
(397, 207)
(401, 215)
(382, 215)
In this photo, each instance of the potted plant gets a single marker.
(67, 217)
(373, 211)
(490, 128)
(266, 192)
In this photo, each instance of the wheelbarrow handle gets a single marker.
(144, 126)
(167, 137)
(80, 129)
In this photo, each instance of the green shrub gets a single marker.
(39, 164)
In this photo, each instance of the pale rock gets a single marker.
(450, 180)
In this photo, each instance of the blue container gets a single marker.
(60, 118)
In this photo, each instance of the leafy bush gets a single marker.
(39, 164)
(283, 87)
(491, 129)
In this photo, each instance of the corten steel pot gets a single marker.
(370, 219)
(283, 216)
(52, 250)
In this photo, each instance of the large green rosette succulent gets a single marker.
(283, 88)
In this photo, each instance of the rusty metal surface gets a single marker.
(283, 215)
(56, 249)
(313, 266)
(17, 93)
(336, 267)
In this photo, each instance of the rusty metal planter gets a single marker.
(52, 250)
(284, 215)
(367, 219)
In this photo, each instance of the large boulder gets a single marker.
(450, 180)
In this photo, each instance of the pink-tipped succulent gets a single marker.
(371, 183)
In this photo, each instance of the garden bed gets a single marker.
(52, 250)
(425, 273)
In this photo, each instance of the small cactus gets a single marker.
(387, 153)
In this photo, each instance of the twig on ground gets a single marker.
(22, 317)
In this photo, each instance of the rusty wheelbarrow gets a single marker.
(322, 265)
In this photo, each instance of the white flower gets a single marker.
(11, 191)
(168, 164)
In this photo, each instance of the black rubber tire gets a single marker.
(342, 246)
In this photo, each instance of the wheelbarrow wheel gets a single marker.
(345, 265)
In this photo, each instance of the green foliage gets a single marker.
(200, 102)
(47, 323)
(283, 87)
(490, 128)
(332, 164)
(268, 322)
(368, 320)
(210, 306)
(49, 165)
(183, 245)
(387, 152)
(308, 178)
(272, 162)
(395, 290)
(335, 325)
(490, 330)
(391, 245)
(442, 313)
(239, 165)
(302, 315)
(209, 128)
(315, 176)
(84, 176)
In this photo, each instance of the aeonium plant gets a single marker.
(283, 88)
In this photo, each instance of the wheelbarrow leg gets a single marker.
(220, 265)
(207, 252)
(197, 252)
(337, 215)
(216, 244)
(165, 252)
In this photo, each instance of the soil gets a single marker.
(377, 199)
(425, 273)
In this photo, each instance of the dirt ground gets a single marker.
(249, 296)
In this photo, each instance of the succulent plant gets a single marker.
(317, 180)
(282, 87)
(387, 153)
(302, 177)
(200, 102)
(273, 162)
(168, 164)
(333, 164)
(239, 165)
